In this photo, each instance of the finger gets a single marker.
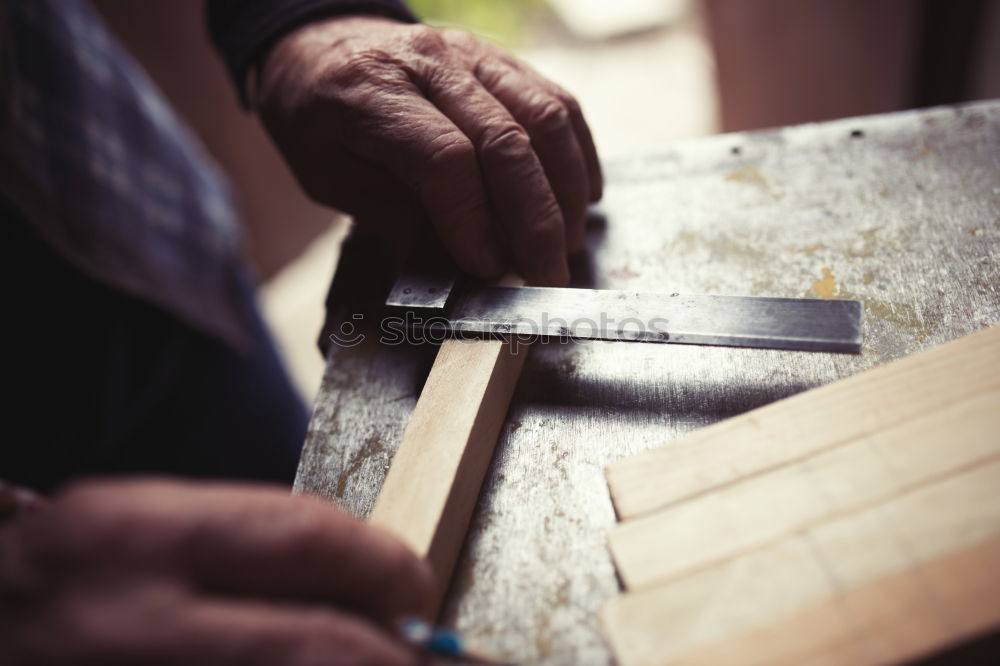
(432, 157)
(473, 49)
(520, 193)
(586, 142)
(260, 542)
(158, 624)
(301, 548)
(553, 136)
(582, 130)
(252, 634)
(373, 112)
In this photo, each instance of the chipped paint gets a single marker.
(749, 175)
(869, 243)
(922, 324)
(808, 250)
(825, 287)
(720, 247)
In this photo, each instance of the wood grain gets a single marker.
(434, 480)
(834, 482)
(883, 585)
(893, 619)
(875, 541)
(790, 431)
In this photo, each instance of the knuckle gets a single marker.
(490, 72)
(460, 38)
(455, 80)
(548, 116)
(505, 141)
(571, 104)
(449, 151)
(426, 40)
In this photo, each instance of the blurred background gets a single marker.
(647, 72)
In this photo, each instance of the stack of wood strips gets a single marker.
(858, 523)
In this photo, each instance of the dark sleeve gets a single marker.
(243, 29)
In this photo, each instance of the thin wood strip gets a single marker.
(891, 620)
(926, 559)
(801, 426)
(837, 482)
(434, 481)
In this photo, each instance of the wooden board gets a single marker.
(874, 541)
(831, 483)
(433, 484)
(794, 429)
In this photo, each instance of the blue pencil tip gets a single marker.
(445, 643)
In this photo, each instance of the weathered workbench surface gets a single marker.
(899, 211)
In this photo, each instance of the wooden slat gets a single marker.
(834, 482)
(434, 480)
(793, 430)
(888, 583)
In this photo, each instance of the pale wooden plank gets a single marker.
(434, 480)
(803, 425)
(838, 481)
(888, 621)
(887, 583)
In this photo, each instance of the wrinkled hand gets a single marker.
(396, 123)
(155, 572)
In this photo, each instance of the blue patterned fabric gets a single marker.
(105, 173)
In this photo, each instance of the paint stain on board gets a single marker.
(868, 245)
(825, 287)
(923, 325)
(808, 250)
(372, 447)
(720, 247)
(749, 175)
(898, 313)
